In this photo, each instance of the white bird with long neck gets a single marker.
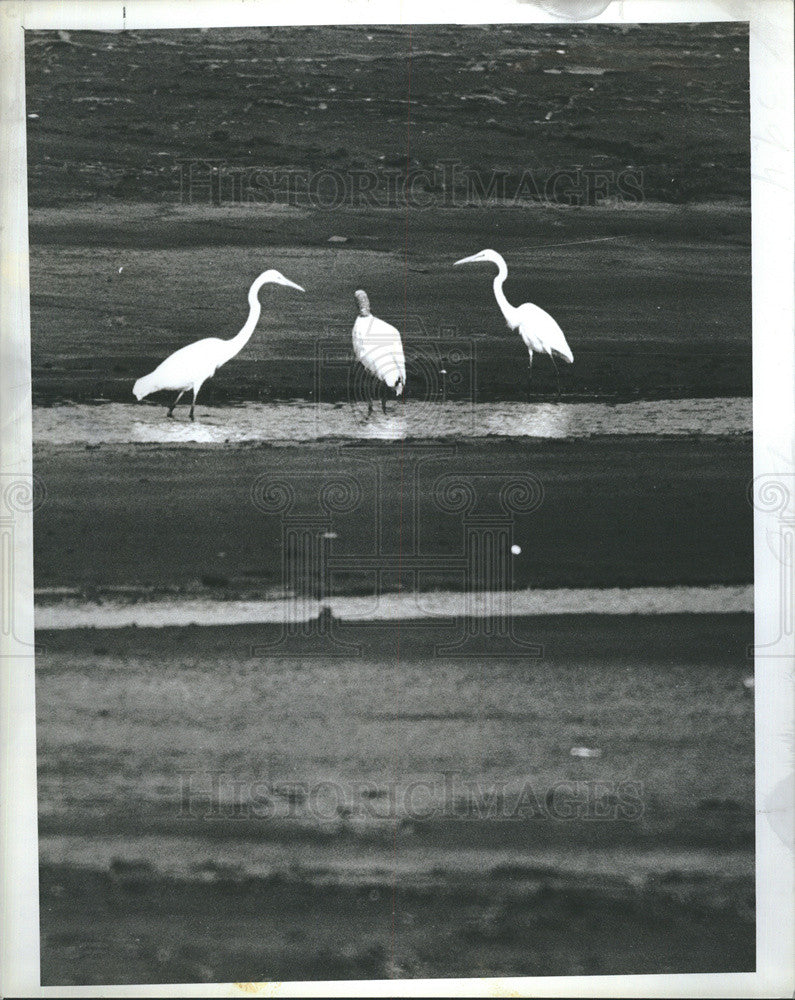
(191, 366)
(378, 346)
(537, 328)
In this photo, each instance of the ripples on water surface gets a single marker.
(121, 423)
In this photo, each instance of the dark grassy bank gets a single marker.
(661, 698)
(153, 871)
(96, 930)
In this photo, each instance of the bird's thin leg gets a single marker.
(193, 403)
(557, 372)
(530, 370)
(171, 408)
(368, 388)
(382, 393)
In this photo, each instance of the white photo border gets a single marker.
(773, 255)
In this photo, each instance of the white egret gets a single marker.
(378, 347)
(537, 328)
(191, 366)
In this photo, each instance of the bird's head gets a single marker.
(276, 278)
(363, 302)
(490, 256)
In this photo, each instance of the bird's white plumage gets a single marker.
(539, 331)
(379, 348)
(185, 367)
(191, 366)
(377, 345)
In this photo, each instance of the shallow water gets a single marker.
(387, 607)
(121, 423)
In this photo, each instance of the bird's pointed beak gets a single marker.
(292, 284)
(467, 260)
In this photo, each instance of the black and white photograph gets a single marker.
(393, 498)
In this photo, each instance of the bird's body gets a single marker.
(539, 331)
(191, 366)
(184, 368)
(377, 345)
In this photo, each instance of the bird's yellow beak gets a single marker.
(467, 260)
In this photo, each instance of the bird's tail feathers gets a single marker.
(567, 356)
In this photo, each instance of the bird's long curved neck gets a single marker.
(238, 342)
(508, 311)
